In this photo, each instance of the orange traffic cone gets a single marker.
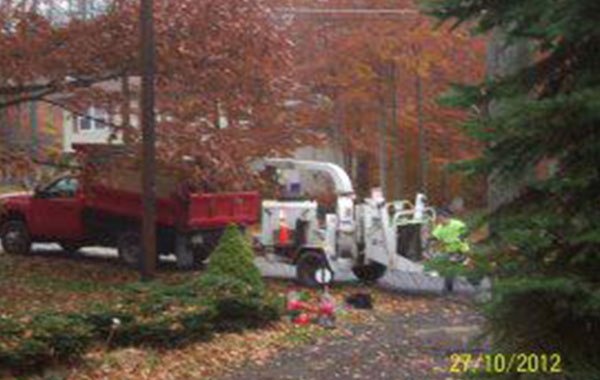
(284, 231)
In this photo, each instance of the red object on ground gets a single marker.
(326, 308)
(294, 305)
(301, 319)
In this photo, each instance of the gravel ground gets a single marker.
(413, 345)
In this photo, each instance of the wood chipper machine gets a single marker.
(367, 237)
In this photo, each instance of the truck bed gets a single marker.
(220, 209)
(113, 189)
(203, 210)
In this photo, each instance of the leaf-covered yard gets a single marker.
(402, 337)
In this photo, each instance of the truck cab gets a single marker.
(52, 213)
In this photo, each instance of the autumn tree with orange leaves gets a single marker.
(242, 79)
(222, 78)
(379, 75)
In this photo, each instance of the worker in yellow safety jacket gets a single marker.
(450, 235)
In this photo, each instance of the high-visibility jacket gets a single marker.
(450, 234)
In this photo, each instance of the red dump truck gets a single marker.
(107, 212)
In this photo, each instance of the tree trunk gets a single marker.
(126, 110)
(446, 190)
(362, 172)
(422, 171)
(338, 143)
(503, 60)
(149, 142)
(382, 146)
(397, 152)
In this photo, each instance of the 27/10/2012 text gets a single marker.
(505, 363)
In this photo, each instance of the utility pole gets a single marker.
(148, 259)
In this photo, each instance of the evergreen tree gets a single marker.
(544, 254)
(231, 270)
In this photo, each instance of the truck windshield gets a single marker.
(62, 187)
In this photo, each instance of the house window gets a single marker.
(85, 124)
(95, 119)
(101, 118)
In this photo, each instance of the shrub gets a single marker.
(29, 345)
(216, 286)
(161, 331)
(228, 297)
(231, 270)
(64, 335)
(198, 325)
(234, 314)
(103, 321)
(166, 327)
(44, 338)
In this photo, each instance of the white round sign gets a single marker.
(323, 276)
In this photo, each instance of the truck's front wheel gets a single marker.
(129, 248)
(70, 247)
(15, 238)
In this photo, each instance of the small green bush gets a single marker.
(198, 326)
(45, 338)
(153, 293)
(157, 332)
(163, 328)
(103, 321)
(216, 286)
(231, 267)
(64, 335)
(236, 314)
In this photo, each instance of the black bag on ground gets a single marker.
(360, 301)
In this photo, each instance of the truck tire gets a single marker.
(370, 272)
(15, 238)
(210, 240)
(130, 248)
(307, 266)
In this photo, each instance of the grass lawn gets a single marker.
(56, 282)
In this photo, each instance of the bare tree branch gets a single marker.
(51, 88)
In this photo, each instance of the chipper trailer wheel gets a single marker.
(307, 266)
(370, 272)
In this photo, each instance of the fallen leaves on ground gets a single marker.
(59, 282)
